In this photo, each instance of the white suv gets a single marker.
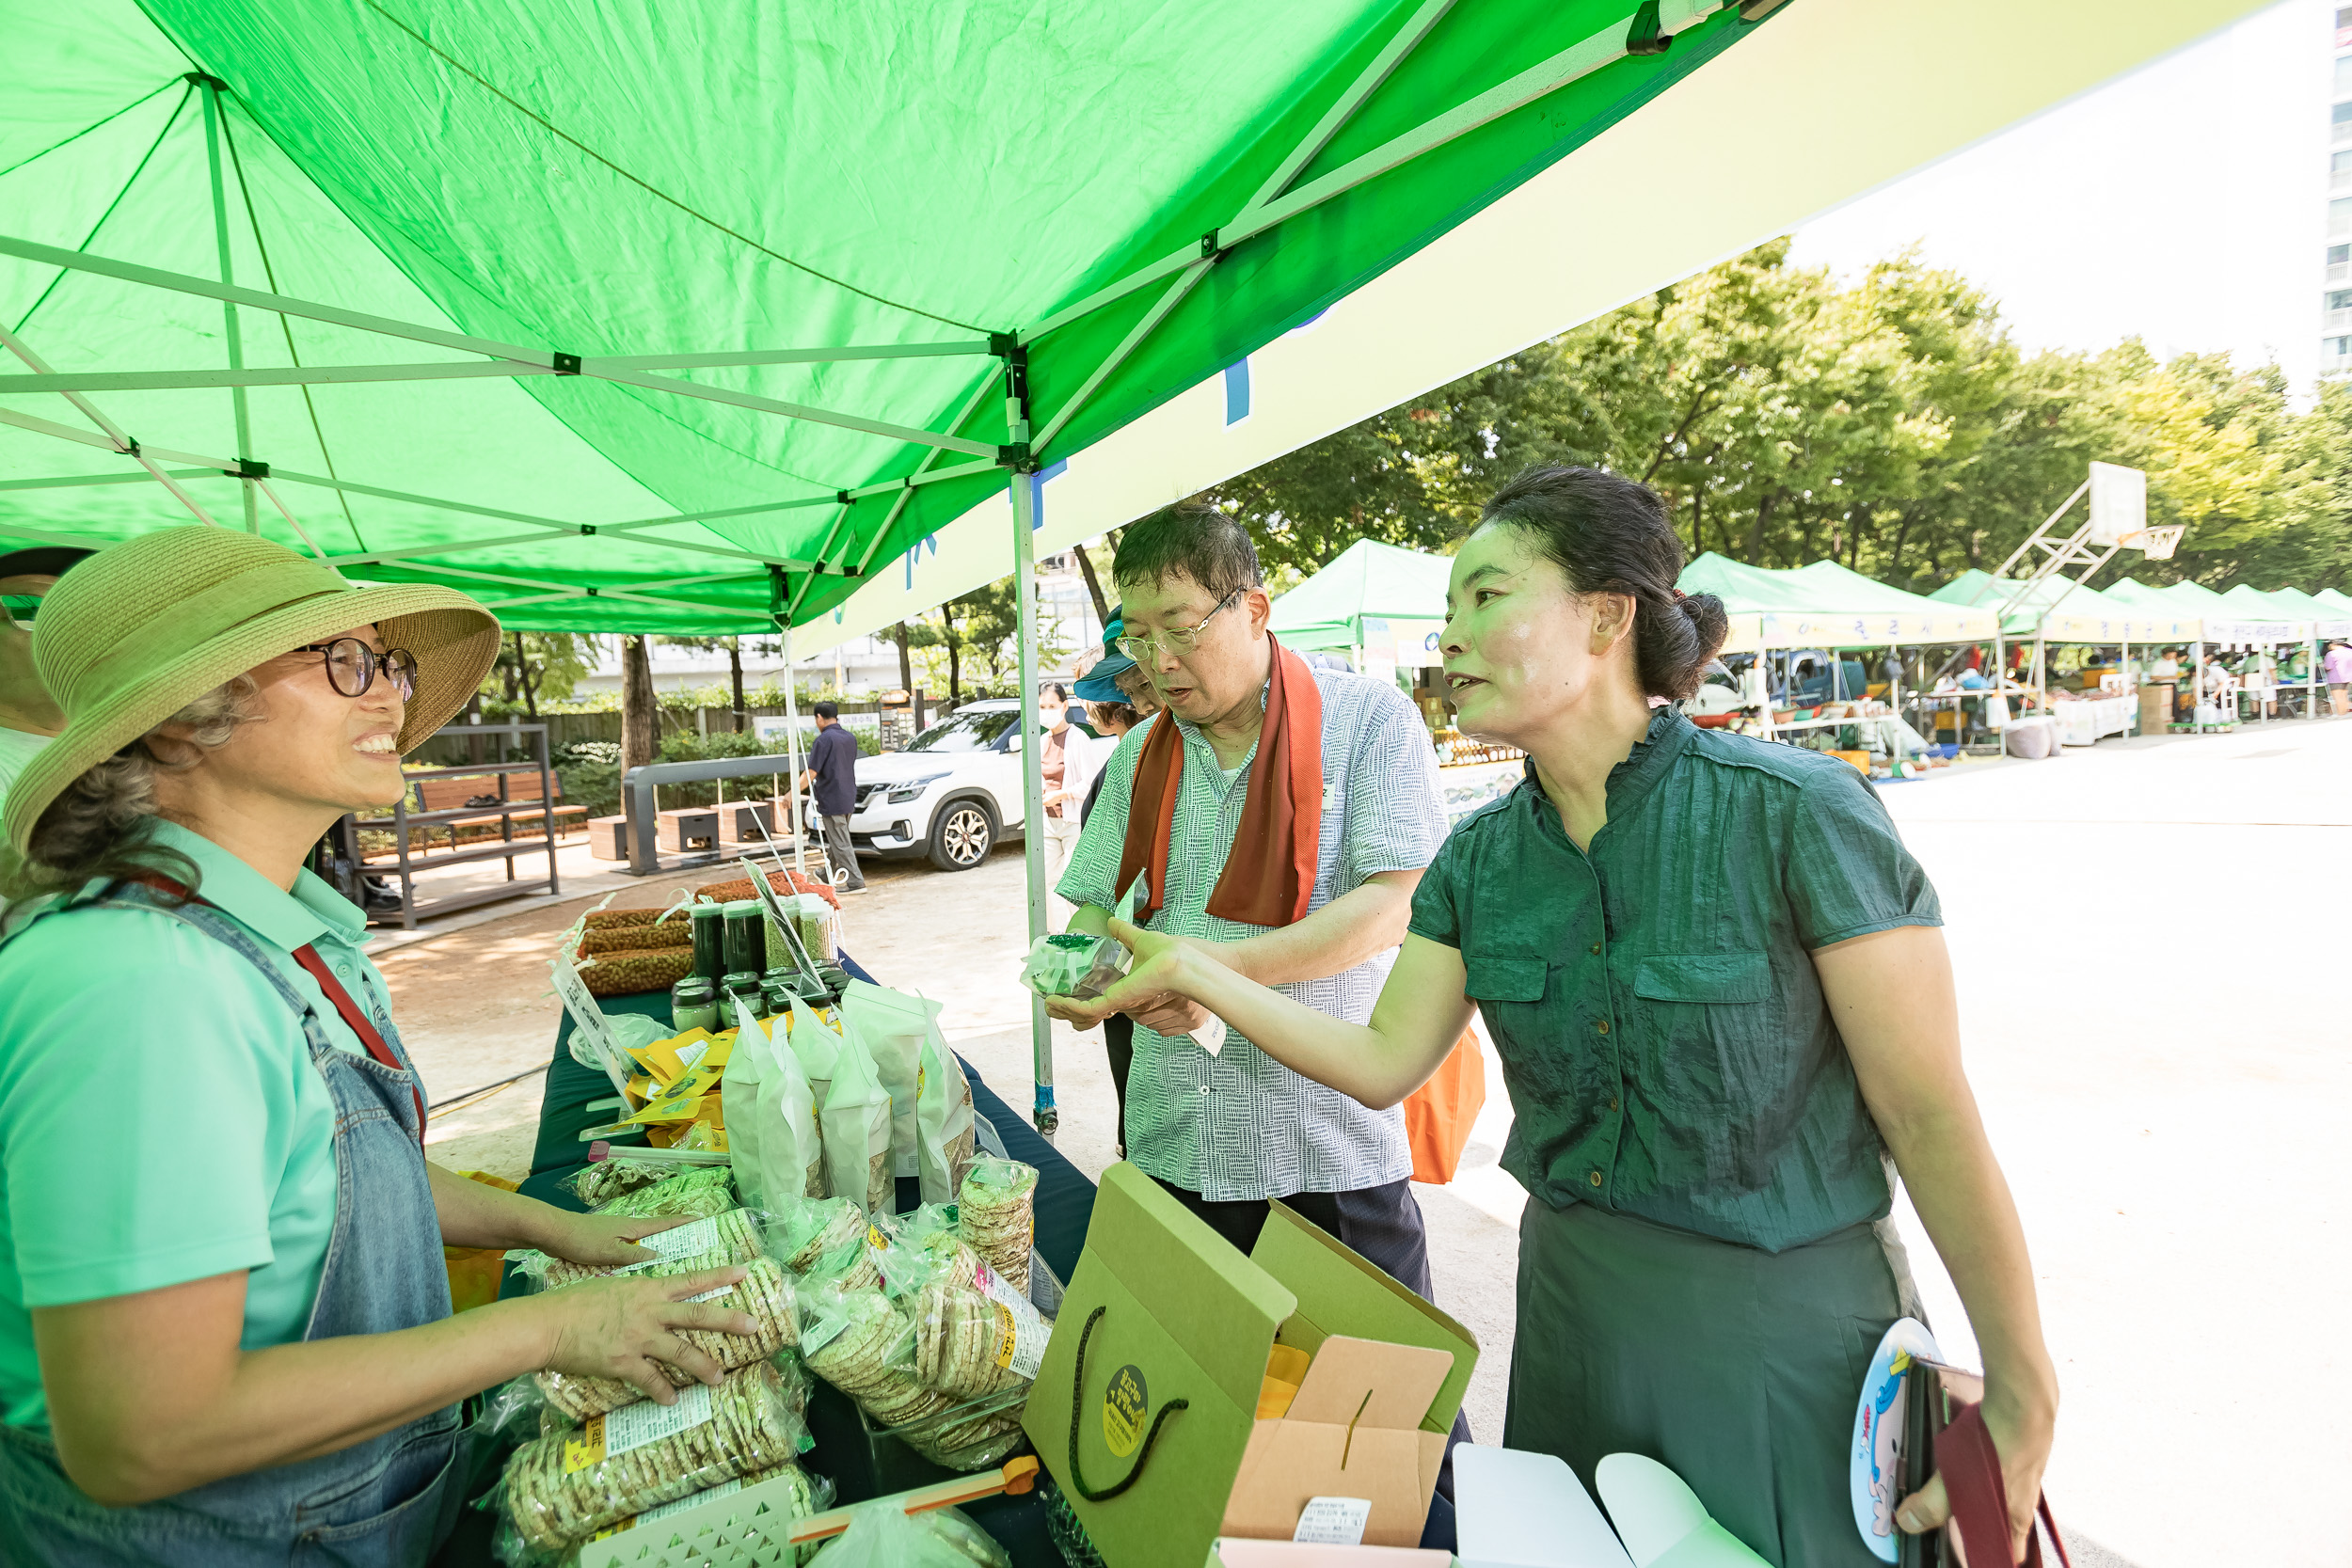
(950, 795)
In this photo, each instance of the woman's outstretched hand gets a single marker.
(1154, 987)
(2022, 1438)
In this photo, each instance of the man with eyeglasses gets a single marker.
(1290, 812)
(28, 715)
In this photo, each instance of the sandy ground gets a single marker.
(2154, 1010)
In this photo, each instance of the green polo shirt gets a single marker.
(160, 1117)
(1662, 1031)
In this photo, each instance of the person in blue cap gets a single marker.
(1117, 699)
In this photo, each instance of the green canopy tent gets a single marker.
(632, 318)
(1829, 606)
(2338, 602)
(1367, 582)
(2328, 619)
(2061, 611)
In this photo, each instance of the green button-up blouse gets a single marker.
(1663, 1034)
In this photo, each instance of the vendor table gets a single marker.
(1064, 1204)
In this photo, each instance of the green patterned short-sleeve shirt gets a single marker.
(1663, 1033)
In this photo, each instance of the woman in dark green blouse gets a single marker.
(1721, 1000)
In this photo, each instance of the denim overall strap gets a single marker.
(381, 1503)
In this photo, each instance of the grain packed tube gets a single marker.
(629, 973)
(714, 1243)
(696, 1192)
(764, 1293)
(826, 1238)
(959, 1336)
(863, 1346)
(600, 1182)
(624, 939)
(562, 1488)
(996, 1212)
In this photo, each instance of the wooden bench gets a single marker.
(522, 792)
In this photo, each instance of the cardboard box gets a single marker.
(1353, 1432)
(1160, 1351)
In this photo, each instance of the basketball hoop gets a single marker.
(2157, 544)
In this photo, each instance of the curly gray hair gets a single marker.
(96, 827)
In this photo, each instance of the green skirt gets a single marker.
(1736, 1368)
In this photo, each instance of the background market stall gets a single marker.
(2055, 611)
(1827, 608)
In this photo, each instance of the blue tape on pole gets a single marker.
(1237, 392)
(1044, 1097)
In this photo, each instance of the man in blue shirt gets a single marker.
(833, 771)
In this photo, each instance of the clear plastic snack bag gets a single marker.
(894, 1027)
(825, 1237)
(562, 1488)
(996, 1212)
(855, 1118)
(882, 1535)
(945, 1133)
(862, 1344)
(765, 1292)
(1077, 965)
(748, 1065)
(791, 1143)
(695, 1192)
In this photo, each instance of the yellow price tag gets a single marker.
(585, 1448)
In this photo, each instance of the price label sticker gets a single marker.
(1333, 1521)
(633, 1426)
(679, 1241)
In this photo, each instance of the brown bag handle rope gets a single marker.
(1077, 1403)
(1971, 1467)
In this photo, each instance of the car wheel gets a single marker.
(961, 835)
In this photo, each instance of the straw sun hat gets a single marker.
(138, 631)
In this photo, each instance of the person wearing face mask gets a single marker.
(224, 1325)
(1281, 815)
(1716, 980)
(1066, 757)
(29, 716)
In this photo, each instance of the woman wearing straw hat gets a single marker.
(225, 1327)
(1714, 977)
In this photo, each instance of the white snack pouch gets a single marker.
(943, 1119)
(855, 1120)
(893, 1025)
(817, 1048)
(788, 1117)
(747, 1064)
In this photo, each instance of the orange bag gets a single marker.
(1437, 1115)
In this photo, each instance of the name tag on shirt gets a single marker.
(1330, 794)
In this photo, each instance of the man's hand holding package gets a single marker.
(1147, 994)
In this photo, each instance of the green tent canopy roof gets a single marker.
(1828, 606)
(2060, 611)
(1368, 580)
(671, 297)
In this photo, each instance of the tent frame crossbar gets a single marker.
(619, 370)
(228, 469)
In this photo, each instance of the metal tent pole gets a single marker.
(1024, 485)
(235, 340)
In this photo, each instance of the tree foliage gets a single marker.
(1890, 423)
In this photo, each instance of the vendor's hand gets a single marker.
(2023, 1440)
(618, 1327)
(600, 1240)
(1156, 989)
